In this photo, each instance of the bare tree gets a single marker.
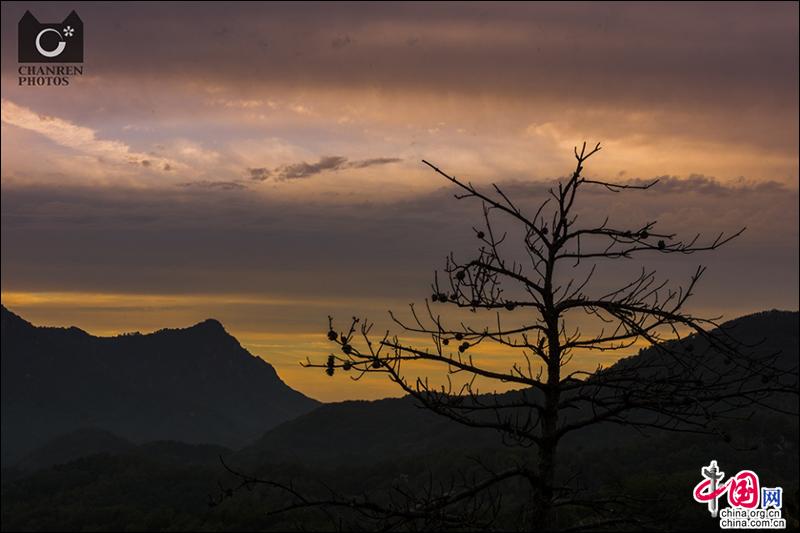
(548, 308)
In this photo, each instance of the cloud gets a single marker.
(325, 164)
(372, 162)
(411, 234)
(306, 170)
(259, 174)
(220, 185)
(79, 138)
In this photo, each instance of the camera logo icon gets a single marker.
(59, 42)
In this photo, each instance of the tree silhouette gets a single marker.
(548, 308)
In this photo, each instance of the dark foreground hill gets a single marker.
(196, 385)
(147, 489)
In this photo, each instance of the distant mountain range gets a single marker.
(199, 385)
(107, 478)
(196, 385)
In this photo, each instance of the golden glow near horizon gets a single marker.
(269, 174)
(107, 315)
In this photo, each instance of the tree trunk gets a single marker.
(544, 518)
(543, 507)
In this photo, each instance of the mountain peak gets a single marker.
(210, 324)
(195, 384)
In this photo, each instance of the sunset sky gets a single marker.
(260, 163)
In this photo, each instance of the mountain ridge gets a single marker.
(194, 384)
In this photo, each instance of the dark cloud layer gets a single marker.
(646, 52)
(187, 240)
